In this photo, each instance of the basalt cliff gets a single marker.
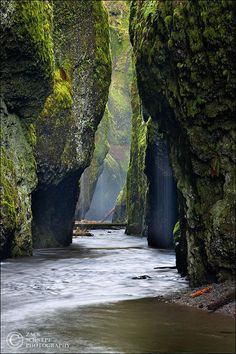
(185, 66)
(55, 74)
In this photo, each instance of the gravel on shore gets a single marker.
(216, 293)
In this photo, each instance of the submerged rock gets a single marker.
(142, 277)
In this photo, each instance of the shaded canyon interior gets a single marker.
(134, 96)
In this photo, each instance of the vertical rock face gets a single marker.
(66, 127)
(26, 80)
(120, 211)
(186, 75)
(136, 179)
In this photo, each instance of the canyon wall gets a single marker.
(67, 124)
(186, 77)
(55, 73)
(27, 65)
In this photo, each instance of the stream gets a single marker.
(88, 298)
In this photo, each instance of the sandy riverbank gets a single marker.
(216, 293)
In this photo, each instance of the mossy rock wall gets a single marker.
(26, 55)
(27, 65)
(136, 178)
(186, 76)
(66, 127)
(120, 212)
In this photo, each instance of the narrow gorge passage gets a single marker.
(118, 176)
(103, 183)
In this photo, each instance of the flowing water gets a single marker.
(84, 299)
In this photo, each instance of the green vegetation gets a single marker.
(33, 22)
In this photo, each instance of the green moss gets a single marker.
(27, 52)
(136, 179)
(176, 231)
(8, 189)
(62, 95)
(120, 213)
(33, 22)
(18, 179)
(103, 69)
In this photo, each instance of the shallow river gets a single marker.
(83, 299)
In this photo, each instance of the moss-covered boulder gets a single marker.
(27, 64)
(66, 127)
(186, 75)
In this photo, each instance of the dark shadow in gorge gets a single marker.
(162, 195)
(53, 212)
